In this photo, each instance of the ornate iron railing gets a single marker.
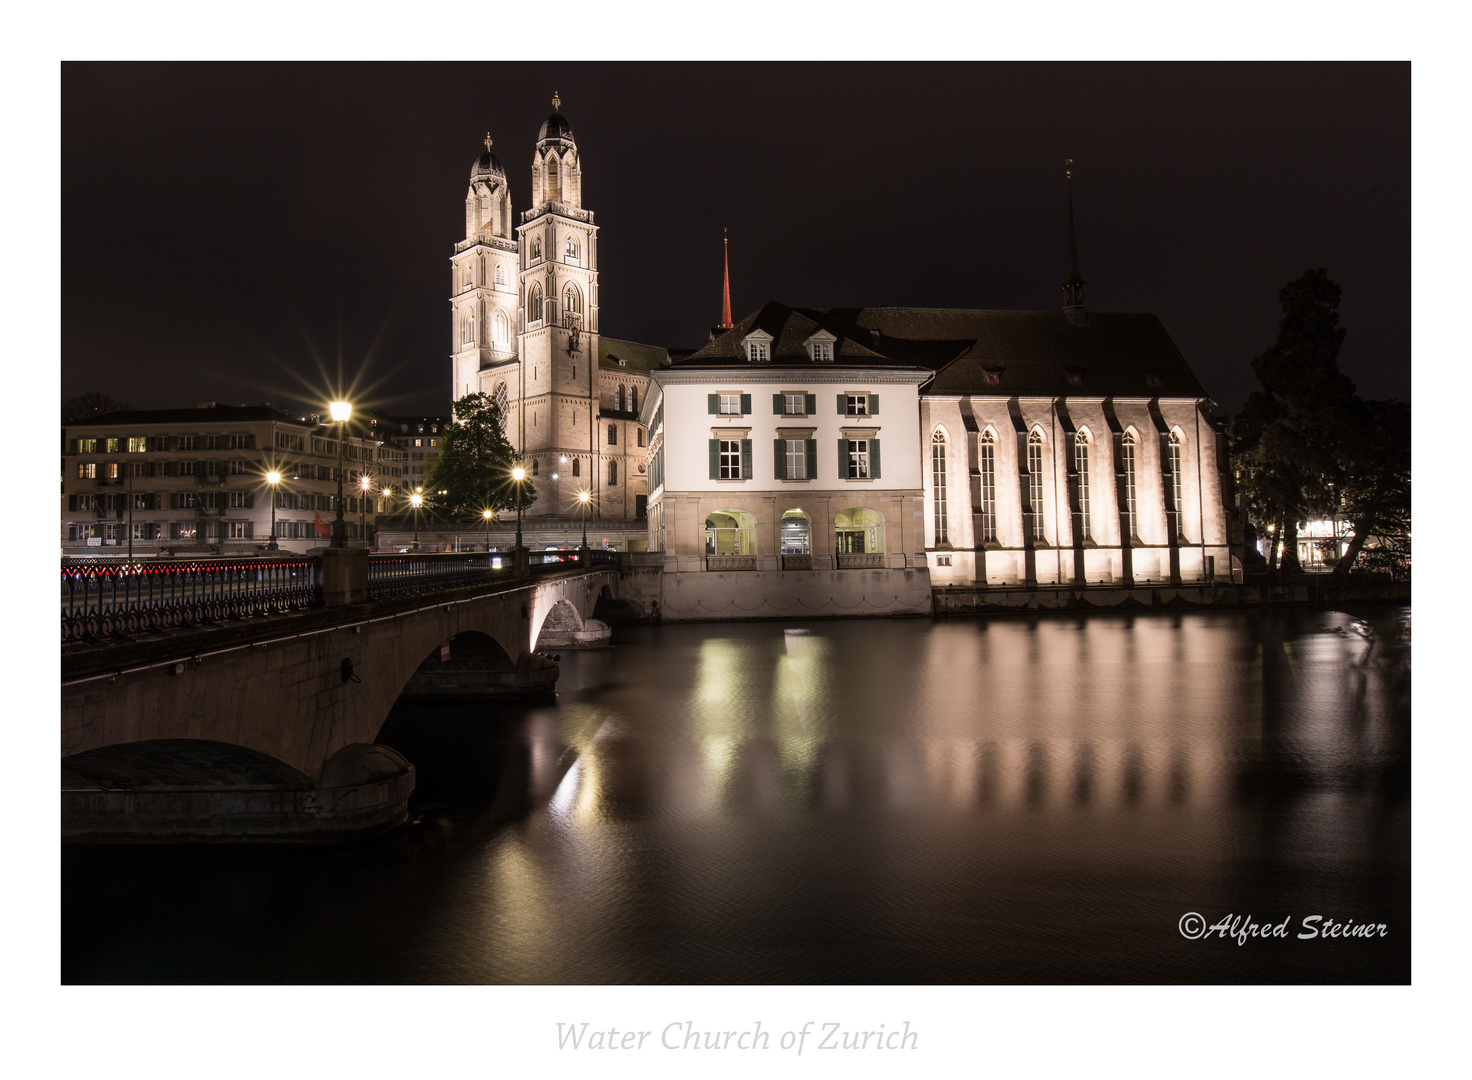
(104, 598)
(411, 572)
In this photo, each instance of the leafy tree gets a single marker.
(1377, 490)
(476, 459)
(92, 403)
(1291, 435)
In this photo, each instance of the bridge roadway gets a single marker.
(266, 726)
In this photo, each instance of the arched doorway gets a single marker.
(730, 540)
(859, 537)
(795, 540)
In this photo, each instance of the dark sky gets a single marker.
(237, 232)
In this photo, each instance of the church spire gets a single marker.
(726, 323)
(1073, 285)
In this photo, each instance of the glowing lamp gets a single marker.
(341, 411)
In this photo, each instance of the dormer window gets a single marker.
(992, 377)
(820, 347)
(1075, 378)
(758, 345)
(1152, 378)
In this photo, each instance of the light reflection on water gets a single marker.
(876, 801)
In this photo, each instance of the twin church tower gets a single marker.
(524, 305)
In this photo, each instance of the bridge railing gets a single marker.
(104, 598)
(411, 572)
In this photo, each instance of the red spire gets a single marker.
(726, 322)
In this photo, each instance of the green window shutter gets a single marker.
(810, 404)
(779, 459)
(812, 449)
(71, 446)
(250, 530)
(712, 403)
(842, 404)
(874, 459)
(715, 459)
(746, 459)
(873, 404)
(250, 500)
(71, 502)
(776, 404)
(843, 459)
(745, 404)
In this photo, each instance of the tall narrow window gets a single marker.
(618, 398)
(988, 488)
(612, 435)
(500, 274)
(938, 486)
(534, 304)
(730, 459)
(613, 472)
(633, 399)
(1177, 444)
(1127, 454)
(577, 467)
(1035, 481)
(500, 330)
(1081, 466)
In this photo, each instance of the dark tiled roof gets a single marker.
(1036, 353)
(636, 356)
(218, 414)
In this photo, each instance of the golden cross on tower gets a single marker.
(488, 140)
(1068, 168)
(556, 101)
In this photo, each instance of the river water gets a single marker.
(881, 801)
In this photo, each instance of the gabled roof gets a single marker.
(636, 356)
(1033, 353)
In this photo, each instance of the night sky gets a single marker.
(242, 233)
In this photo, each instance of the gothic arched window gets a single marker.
(572, 247)
(633, 399)
(988, 454)
(1177, 456)
(536, 248)
(467, 327)
(534, 305)
(554, 183)
(500, 330)
(500, 397)
(577, 467)
(1081, 467)
(1035, 481)
(1127, 456)
(618, 398)
(572, 299)
(500, 274)
(938, 450)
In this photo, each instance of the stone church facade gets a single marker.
(525, 330)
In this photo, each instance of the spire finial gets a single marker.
(1068, 169)
(726, 323)
(488, 140)
(1073, 285)
(556, 101)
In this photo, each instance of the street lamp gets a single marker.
(273, 478)
(365, 482)
(417, 500)
(583, 497)
(488, 515)
(341, 412)
(519, 475)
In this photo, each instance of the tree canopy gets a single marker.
(91, 403)
(1306, 445)
(475, 463)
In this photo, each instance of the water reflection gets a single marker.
(1010, 800)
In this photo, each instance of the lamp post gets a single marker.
(583, 497)
(417, 500)
(273, 478)
(519, 475)
(488, 515)
(341, 412)
(365, 482)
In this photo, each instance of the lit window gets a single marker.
(1081, 466)
(137, 444)
(86, 470)
(796, 454)
(858, 459)
(1177, 446)
(1127, 453)
(988, 488)
(938, 486)
(1035, 482)
(822, 350)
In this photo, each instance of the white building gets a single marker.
(525, 321)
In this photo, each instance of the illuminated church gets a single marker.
(525, 326)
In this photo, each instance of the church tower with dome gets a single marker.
(525, 325)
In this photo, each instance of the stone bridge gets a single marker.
(172, 736)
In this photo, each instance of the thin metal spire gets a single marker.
(1073, 285)
(726, 322)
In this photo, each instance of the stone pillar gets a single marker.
(344, 575)
(519, 561)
